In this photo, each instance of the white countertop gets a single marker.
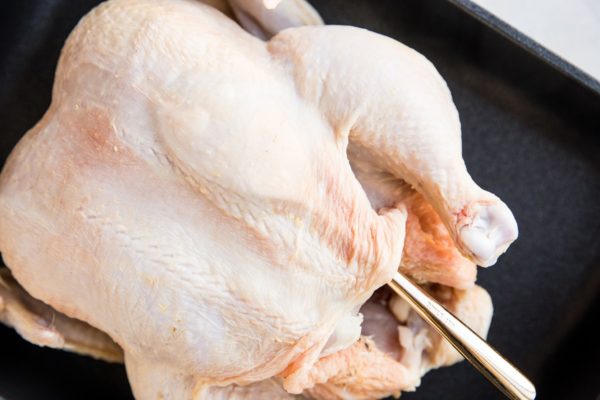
(569, 28)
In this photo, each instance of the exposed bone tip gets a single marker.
(491, 230)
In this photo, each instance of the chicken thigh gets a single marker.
(190, 193)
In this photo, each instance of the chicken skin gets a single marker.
(222, 206)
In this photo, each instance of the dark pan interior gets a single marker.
(530, 135)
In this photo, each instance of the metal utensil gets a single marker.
(507, 378)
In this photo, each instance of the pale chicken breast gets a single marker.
(395, 349)
(191, 193)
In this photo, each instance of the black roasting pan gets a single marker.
(531, 134)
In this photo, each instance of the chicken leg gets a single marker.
(391, 104)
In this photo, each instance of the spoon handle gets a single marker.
(507, 378)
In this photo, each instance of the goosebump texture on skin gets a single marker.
(222, 206)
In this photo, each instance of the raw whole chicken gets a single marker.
(215, 209)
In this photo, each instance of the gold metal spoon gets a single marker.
(506, 377)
